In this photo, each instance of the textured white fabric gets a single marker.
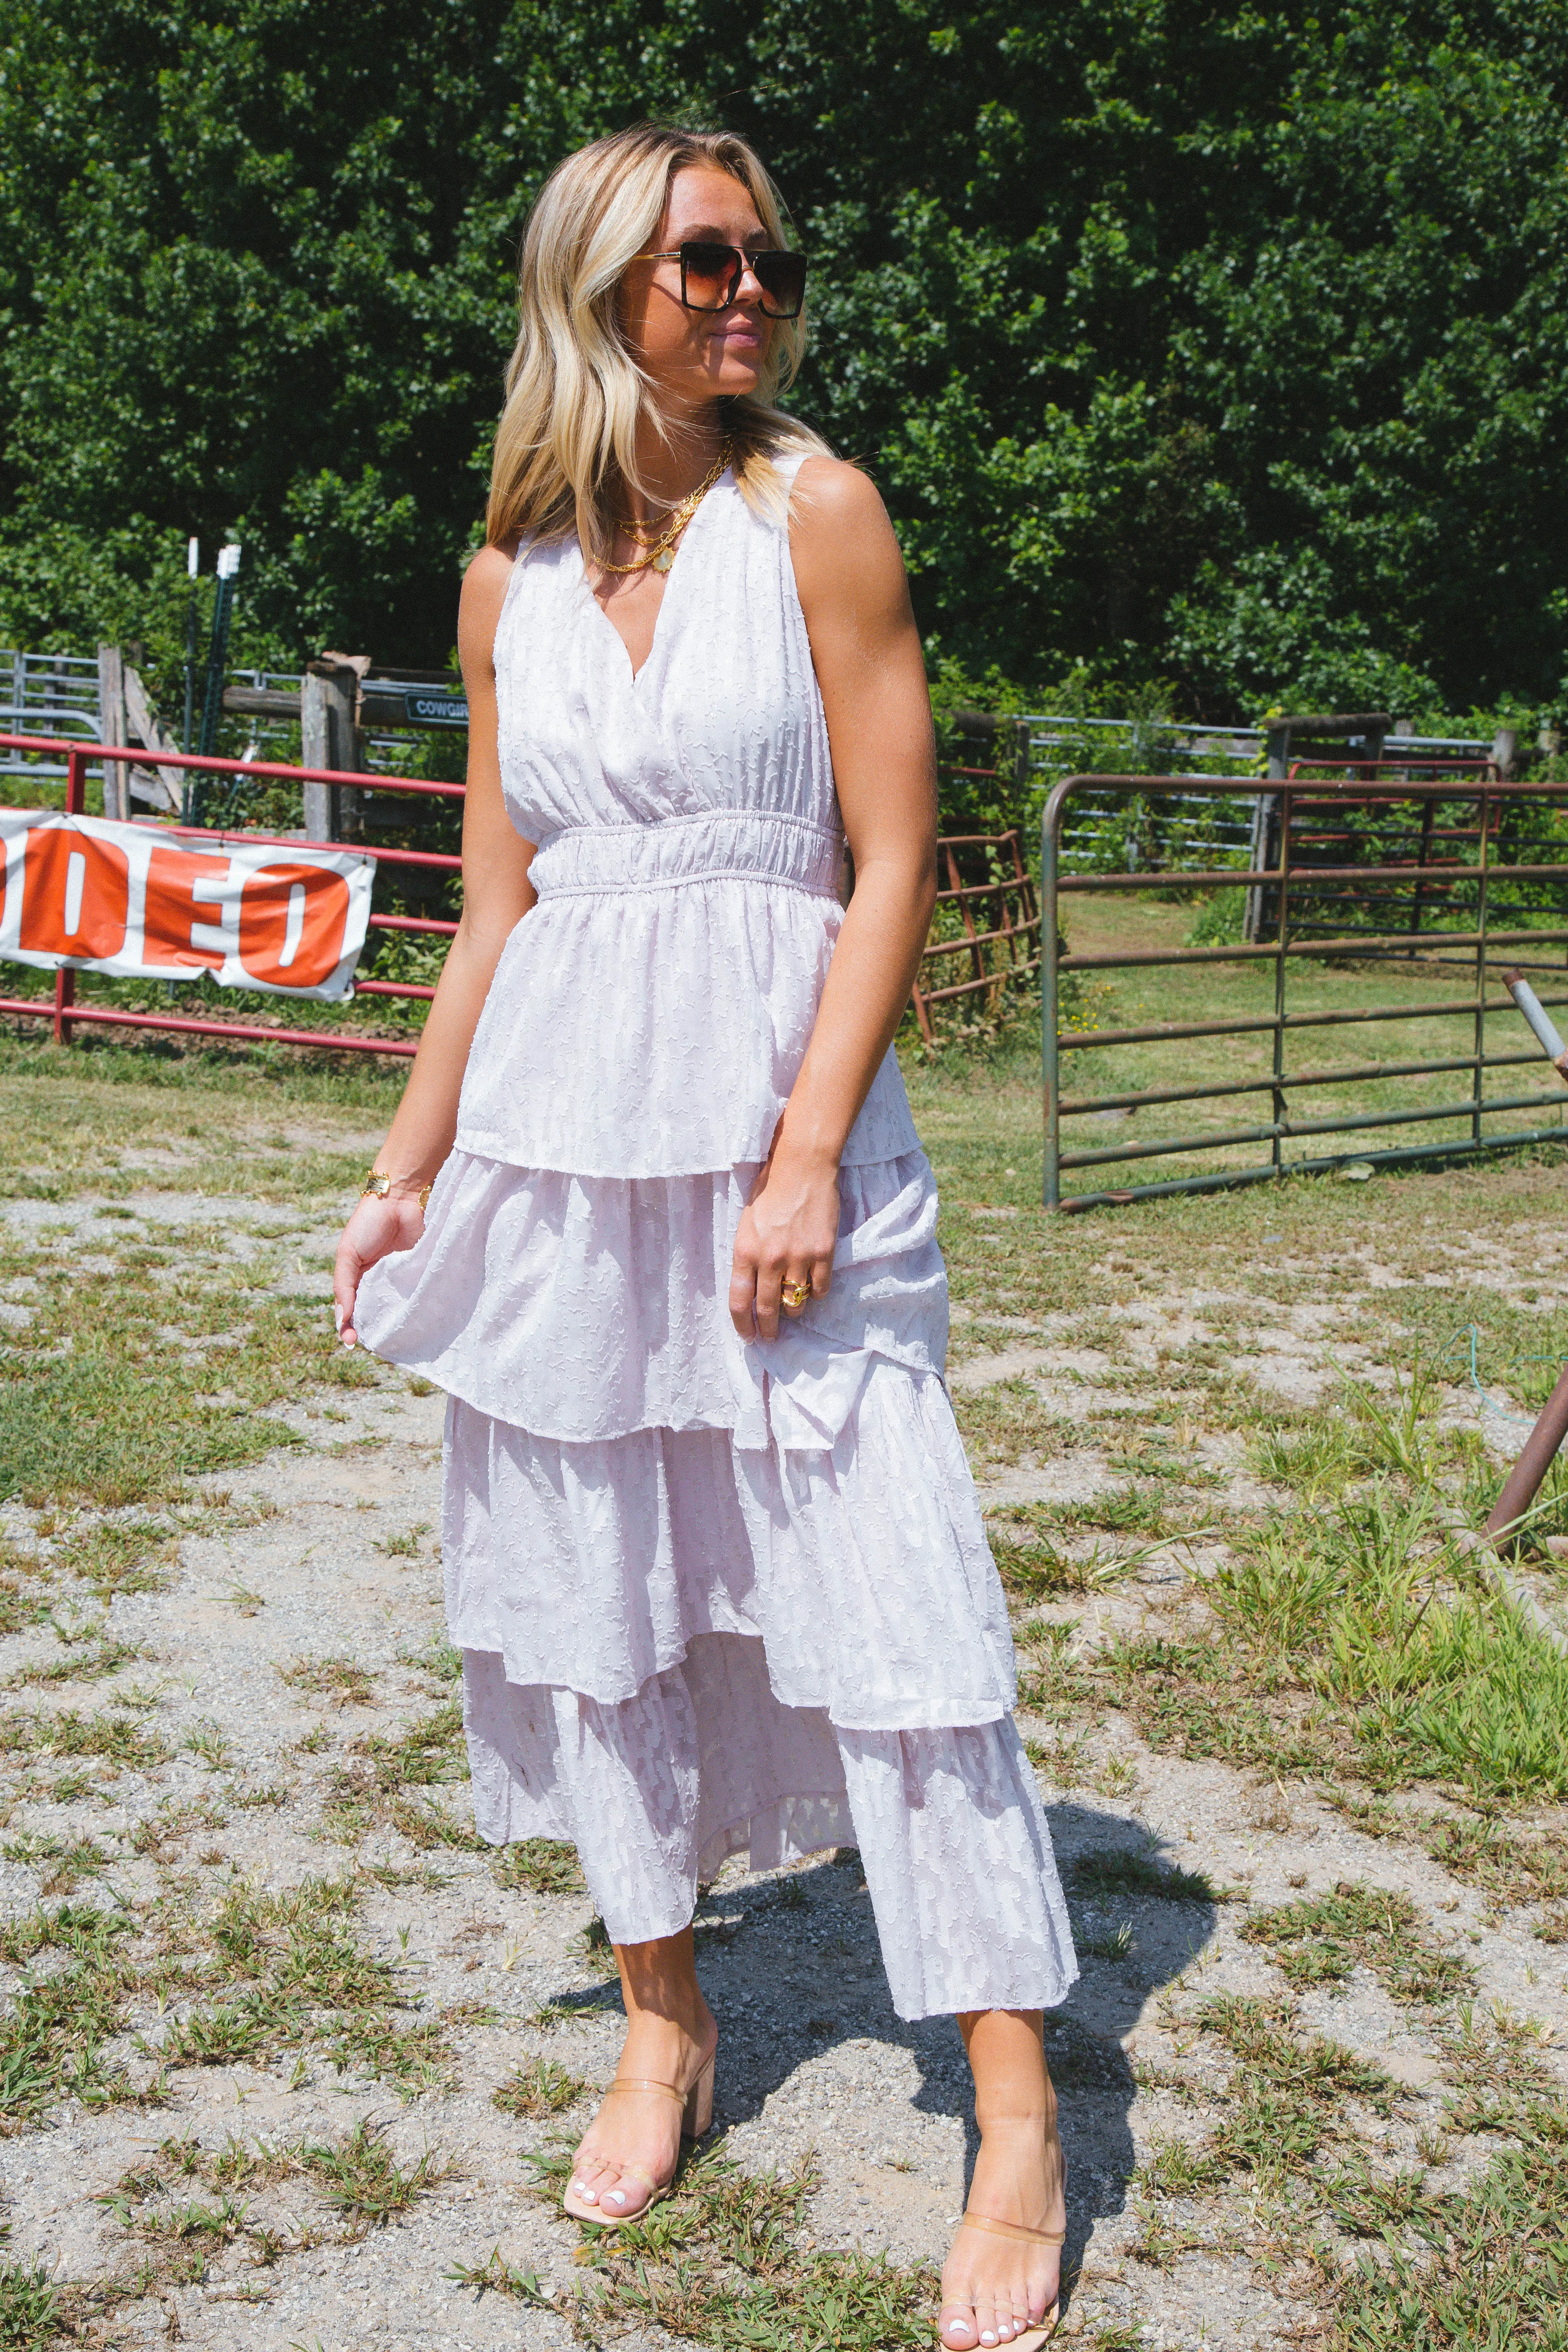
(711, 1596)
(690, 846)
(865, 1570)
(584, 1308)
(957, 1856)
(655, 1792)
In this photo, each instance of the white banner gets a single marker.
(130, 898)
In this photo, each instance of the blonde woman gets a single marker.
(654, 1213)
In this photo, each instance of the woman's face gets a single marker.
(695, 356)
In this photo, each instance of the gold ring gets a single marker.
(795, 1293)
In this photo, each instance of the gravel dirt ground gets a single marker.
(281, 2038)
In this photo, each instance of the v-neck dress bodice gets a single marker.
(687, 867)
(710, 1593)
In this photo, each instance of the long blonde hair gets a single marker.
(575, 393)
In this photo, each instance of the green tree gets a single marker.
(1216, 345)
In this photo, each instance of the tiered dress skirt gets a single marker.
(715, 1597)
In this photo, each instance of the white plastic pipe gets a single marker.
(1539, 1020)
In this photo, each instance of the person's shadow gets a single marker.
(791, 1967)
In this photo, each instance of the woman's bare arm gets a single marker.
(496, 894)
(867, 653)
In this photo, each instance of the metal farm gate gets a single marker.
(1388, 897)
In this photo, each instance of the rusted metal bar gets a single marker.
(1362, 946)
(1018, 921)
(67, 1012)
(987, 889)
(65, 979)
(968, 987)
(1523, 1482)
(957, 890)
(975, 940)
(1148, 1097)
(1222, 1138)
(109, 1017)
(210, 763)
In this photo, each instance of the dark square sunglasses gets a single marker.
(710, 277)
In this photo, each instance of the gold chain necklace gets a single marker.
(661, 550)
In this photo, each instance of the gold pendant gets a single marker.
(664, 559)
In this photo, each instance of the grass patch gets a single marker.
(538, 2087)
(338, 1679)
(91, 1427)
(111, 1739)
(1116, 1869)
(1508, 1868)
(1480, 2266)
(541, 1865)
(360, 2177)
(1322, 1940)
(30, 2312)
(721, 2263)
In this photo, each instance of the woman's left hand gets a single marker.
(783, 1247)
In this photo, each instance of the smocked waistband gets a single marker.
(716, 844)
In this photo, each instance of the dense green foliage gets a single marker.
(1220, 345)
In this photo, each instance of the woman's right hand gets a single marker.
(376, 1230)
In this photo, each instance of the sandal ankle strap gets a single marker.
(641, 2082)
(1013, 2230)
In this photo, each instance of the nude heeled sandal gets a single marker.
(696, 2118)
(1031, 2339)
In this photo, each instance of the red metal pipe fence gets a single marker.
(1006, 948)
(67, 1015)
(1009, 910)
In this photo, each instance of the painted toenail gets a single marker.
(986, 2336)
(616, 2197)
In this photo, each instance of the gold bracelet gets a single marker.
(378, 1184)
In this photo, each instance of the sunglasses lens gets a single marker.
(708, 272)
(782, 276)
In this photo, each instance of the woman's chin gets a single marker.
(732, 376)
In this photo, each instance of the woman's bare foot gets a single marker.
(997, 2287)
(631, 2148)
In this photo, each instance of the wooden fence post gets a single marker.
(328, 697)
(115, 728)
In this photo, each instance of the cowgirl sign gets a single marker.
(124, 898)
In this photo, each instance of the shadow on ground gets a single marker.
(793, 1968)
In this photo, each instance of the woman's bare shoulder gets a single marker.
(846, 554)
(485, 583)
(830, 493)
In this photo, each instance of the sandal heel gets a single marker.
(697, 2115)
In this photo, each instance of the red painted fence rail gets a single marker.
(1007, 949)
(66, 1014)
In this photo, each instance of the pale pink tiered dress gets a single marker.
(709, 1596)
